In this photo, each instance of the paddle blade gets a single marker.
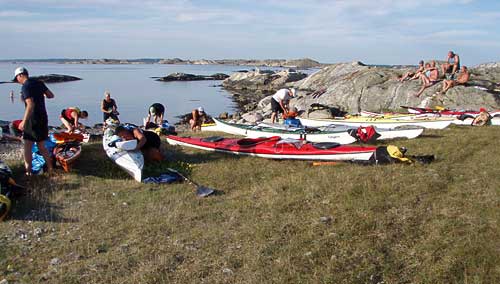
(203, 191)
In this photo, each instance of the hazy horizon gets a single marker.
(383, 32)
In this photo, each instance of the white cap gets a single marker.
(200, 109)
(293, 92)
(107, 93)
(19, 70)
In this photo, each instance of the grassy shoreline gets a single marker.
(273, 222)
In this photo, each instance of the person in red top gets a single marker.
(70, 116)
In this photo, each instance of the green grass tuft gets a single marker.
(272, 221)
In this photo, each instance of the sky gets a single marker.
(370, 31)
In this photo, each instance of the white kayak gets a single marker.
(332, 133)
(340, 136)
(378, 122)
(131, 161)
(408, 132)
(495, 116)
(468, 121)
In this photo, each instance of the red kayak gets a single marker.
(276, 148)
(67, 153)
(62, 137)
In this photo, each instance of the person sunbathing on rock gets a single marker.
(462, 78)
(429, 77)
(413, 75)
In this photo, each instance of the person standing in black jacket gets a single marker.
(35, 123)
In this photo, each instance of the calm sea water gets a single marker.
(130, 85)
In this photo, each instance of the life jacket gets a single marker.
(366, 134)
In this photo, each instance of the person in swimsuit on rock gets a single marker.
(462, 78)
(413, 75)
(429, 77)
(452, 65)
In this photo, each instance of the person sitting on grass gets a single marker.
(462, 78)
(156, 112)
(429, 77)
(198, 118)
(451, 66)
(70, 118)
(147, 141)
(413, 75)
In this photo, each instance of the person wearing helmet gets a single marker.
(156, 111)
(35, 123)
(279, 102)
(198, 118)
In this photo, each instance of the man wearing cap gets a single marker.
(156, 111)
(198, 118)
(279, 102)
(35, 125)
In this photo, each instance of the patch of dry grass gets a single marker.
(272, 222)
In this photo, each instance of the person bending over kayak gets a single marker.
(198, 118)
(70, 118)
(147, 141)
(156, 111)
(279, 102)
(109, 108)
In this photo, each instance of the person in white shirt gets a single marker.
(279, 102)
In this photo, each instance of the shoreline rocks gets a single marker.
(56, 78)
(249, 88)
(354, 86)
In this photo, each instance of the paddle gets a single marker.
(201, 191)
(7, 82)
